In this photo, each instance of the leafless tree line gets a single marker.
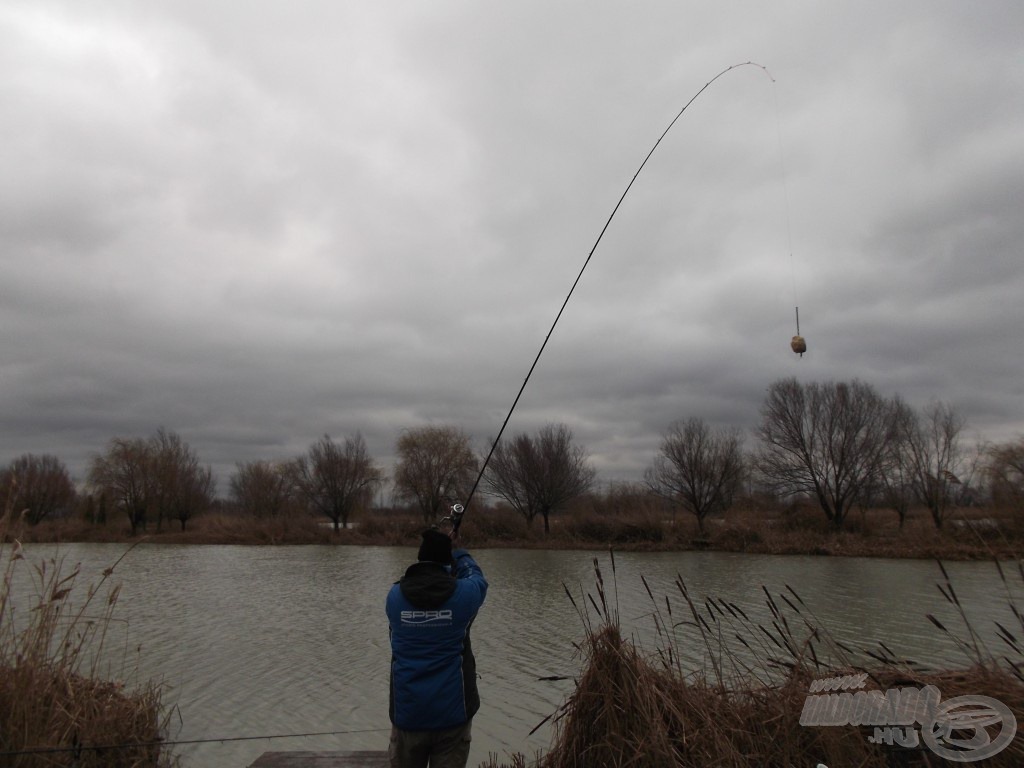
(840, 444)
(158, 477)
(436, 466)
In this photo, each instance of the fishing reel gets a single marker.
(454, 516)
(456, 511)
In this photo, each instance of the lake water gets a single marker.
(261, 641)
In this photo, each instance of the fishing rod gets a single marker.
(457, 511)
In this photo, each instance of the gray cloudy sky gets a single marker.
(256, 223)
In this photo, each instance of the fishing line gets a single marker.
(456, 518)
(798, 344)
(785, 195)
(161, 743)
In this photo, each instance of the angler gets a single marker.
(433, 671)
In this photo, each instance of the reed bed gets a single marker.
(62, 701)
(637, 707)
(974, 535)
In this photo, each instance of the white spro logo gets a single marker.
(963, 729)
(426, 617)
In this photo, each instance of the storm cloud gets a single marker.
(255, 224)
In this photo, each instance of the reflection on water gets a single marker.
(256, 641)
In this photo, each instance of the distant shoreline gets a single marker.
(872, 535)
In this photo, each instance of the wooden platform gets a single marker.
(321, 760)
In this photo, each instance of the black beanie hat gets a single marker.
(436, 547)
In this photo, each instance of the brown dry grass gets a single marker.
(56, 703)
(796, 530)
(213, 528)
(632, 708)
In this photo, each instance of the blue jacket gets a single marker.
(433, 672)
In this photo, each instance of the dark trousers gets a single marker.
(438, 749)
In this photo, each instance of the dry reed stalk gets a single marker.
(636, 709)
(54, 697)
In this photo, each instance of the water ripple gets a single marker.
(257, 641)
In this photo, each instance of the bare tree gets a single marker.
(434, 464)
(124, 474)
(539, 475)
(698, 468)
(161, 475)
(1005, 470)
(940, 464)
(822, 440)
(895, 480)
(40, 485)
(337, 480)
(263, 489)
(181, 487)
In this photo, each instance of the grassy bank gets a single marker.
(61, 695)
(973, 534)
(633, 707)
